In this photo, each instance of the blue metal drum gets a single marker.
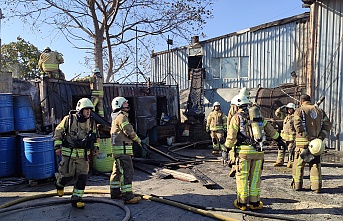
(24, 119)
(39, 157)
(6, 113)
(8, 156)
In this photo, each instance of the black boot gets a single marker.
(115, 193)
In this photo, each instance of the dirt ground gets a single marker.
(277, 196)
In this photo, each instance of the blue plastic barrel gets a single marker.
(39, 157)
(8, 155)
(6, 113)
(24, 119)
(20, 141)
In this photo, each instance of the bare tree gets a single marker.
(108, 28)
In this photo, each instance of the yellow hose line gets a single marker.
(189, 208)
(49, 194)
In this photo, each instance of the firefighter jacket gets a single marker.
(77, 139)
(122, 134)
(240, 131)
(233, 109)
(49, 61)
(288, 130)
(217, 121)
(310, 122)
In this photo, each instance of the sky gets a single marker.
(228, 16)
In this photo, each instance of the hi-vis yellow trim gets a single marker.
(301, 141)
(235, 127)
(58, 142)
(120, 150)
(123, 124)
(98, 93)
(78, 193)
(276, 135)
(135, 138)
(247, 149)
(76, 152)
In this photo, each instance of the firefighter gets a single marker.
(286, 113)
(122, 136)
(75, 137)
(311, 126)
(49, 62)
(217, 125)
(245, 136)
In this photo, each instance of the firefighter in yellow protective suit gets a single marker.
(122, 136)
(229, 157)
(286, 113)
(75, 137)
(49, 62)
(312, 127)
(217, 125)
(245, 135)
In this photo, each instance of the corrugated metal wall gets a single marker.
(274, 50)
(327, 63)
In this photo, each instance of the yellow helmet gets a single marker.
(84, 103)
(316, 147)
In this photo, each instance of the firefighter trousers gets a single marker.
(298, 172)
(248, 174)
(122, 175)
(73, 167)
(218, 139)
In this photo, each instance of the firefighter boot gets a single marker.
(215, 152)
(278, 163)
(77, 202)
(289, 164)
(115, 193)
(241, 206)
(255, 205)
(60, 189)
(133, 200)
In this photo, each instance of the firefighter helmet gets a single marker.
(291, 105)
(244, 91)
(316, 147)
(240, 100)
(96, 70)
(118, 102)
(84, 103)
(47, 49)
(216, 104)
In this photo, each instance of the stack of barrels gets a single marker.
(24, 152)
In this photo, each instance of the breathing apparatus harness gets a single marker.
(251, 128)
(86, 143)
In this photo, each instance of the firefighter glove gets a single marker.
(306, 155)
(321, 136)
(281, 144)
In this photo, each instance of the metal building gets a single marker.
(308, 44)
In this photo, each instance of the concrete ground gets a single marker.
(278, 198)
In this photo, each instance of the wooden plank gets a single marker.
(180, 175)
(203, 179)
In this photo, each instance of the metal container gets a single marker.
(6, 113)
(8, 156)
(39, 157)
(104, 161)
(24, 119)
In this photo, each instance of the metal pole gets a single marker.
(1, 17)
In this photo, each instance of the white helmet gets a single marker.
(316, 147)
(96, 70)
(291, 105)
(118, 102)
(240, 100)
(244, 91)
(84, 103)
(216, 104)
